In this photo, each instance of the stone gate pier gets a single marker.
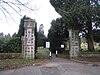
(28, 40)
(74, 43)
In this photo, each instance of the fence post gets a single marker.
(56, 53)
(50, 55)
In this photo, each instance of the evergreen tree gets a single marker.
(57, 34)
(41, 37)
(1, 34)
(8, 35)
(80, 14)
(21, 27)
(41, 29)
(14, 35)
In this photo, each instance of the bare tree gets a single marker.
(8, 7)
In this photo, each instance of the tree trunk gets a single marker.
(90, 35)
(89, 26)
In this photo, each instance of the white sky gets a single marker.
(44, 15)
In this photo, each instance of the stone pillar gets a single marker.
(74, 43)
(28, 40)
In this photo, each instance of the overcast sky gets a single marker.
(44, 15)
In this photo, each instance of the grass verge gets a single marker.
(14, 63)
(89, 58)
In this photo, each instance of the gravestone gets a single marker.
(28, 40)
(74, 43)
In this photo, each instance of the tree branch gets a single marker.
(13, 8)
(16, 6)
(4, 15)
(8, 13)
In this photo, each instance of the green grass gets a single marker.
(14, 63)
(89, 58)
(42, 53)
(13, 60)
(4, 56)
